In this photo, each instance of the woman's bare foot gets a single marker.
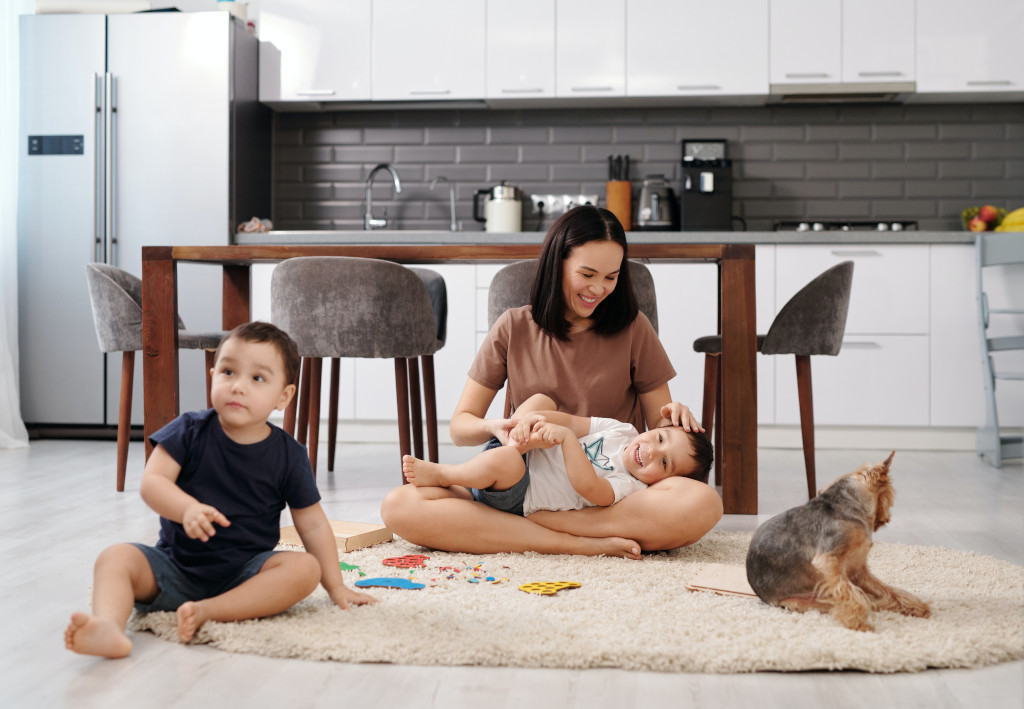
(423, 473)
(190, 619)
(88, 635)
(610, 546)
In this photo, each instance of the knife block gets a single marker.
(619, 196)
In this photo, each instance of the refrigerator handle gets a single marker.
(98, 178)
(111, 175)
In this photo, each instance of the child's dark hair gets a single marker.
(576, 227)
(703, 456)
(257, 331)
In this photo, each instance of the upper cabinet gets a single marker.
(427, 49)
(675, 48)
(968, 47)
(520, 49)
(590, 48)
(314, 52)
(841, 41)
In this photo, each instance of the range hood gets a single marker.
(854, 92)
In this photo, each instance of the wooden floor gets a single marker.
(58, 510)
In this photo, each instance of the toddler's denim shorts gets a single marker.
(177, 586)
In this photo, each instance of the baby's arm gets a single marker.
(159, 489)
(316, 535)
(585, 480)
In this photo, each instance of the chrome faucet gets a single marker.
(453, 225)
(368, 221)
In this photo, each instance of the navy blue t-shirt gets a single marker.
(249, 484)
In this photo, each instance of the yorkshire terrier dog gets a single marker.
(815, 556)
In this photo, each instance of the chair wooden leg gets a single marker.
(302, 427)
(415, 407)
(289, 415)
(803, 386)
(315, 369)
(430, 405)
(718, 428)
(332, 412)
(124, 416)
(210, 356)
(402, 393)
(707, 417)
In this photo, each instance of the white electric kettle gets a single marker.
(503, 210)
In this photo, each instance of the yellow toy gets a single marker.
(547, 588)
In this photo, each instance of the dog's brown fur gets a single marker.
(815, 556)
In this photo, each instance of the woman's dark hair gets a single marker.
(576, 227)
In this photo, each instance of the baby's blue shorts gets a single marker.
(510, 500)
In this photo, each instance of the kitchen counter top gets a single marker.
(634, 237)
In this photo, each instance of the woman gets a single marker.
(583, 342)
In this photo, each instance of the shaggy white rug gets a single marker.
(635, 615)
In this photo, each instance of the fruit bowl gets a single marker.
(985, 218)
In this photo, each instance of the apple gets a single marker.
(987, 214)
(977, 224)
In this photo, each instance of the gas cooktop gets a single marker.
(846, 225)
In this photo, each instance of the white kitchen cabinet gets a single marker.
(849, 41)
(660, 63)
(520, 49)
(314, 51)
(428, 50)
(880, 376)
(969, 47)
(957, 392)
(878, 41)
(590, 48)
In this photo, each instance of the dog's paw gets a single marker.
(916, 609)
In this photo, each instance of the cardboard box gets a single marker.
(349, 536)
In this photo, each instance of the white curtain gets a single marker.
(12, 429)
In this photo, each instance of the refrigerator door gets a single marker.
(171, 162)
(61, 367)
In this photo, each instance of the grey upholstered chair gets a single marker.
(812, 322)
(510, 288)
(116, 297)
(336, 306)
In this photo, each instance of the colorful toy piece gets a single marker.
(409, 561)
(547, 588)
(389, 583)
(347, 567)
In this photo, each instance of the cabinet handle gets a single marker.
(699, 87)
(439, 92)
(808, 76)
(522, 91)
(856, 252)
(862, 345)
(878, 74)
(591, 88)
(315, 92)
(994, 82)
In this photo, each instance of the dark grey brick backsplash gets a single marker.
(922, 162)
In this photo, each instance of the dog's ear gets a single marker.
(888, 461)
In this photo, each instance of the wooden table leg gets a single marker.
(738, 416)
(235, 303)
(159, 340)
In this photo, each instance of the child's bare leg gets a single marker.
(498, 468)
(285, 579)
(121, 576)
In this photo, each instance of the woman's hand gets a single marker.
(523, 426)
(675, 414)
(198, 520)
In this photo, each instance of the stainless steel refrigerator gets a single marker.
(135, 129)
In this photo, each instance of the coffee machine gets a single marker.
(706, 197)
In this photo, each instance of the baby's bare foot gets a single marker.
(88, 635)
(190, 619)
(423, 473)
(610, 546)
